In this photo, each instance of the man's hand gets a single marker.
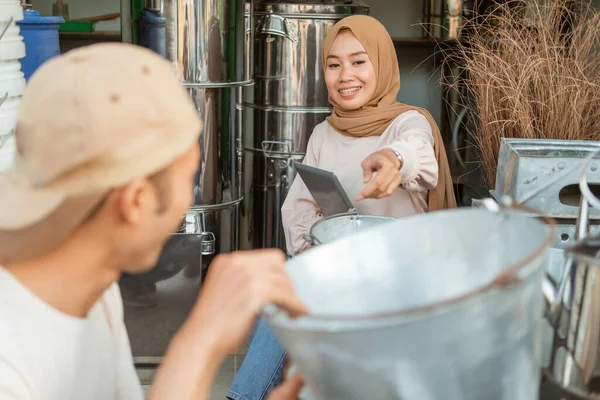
(387, 166)
(289, 390)
(236, 289)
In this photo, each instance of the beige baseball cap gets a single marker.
(89, 121)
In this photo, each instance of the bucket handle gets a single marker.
(553, 297)
(6, 27)
(311, 240)
(273, 24)
(3, 99)
(268, 146)
(4, 139)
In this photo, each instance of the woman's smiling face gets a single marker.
(349, 73)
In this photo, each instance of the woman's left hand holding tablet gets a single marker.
(386, 164)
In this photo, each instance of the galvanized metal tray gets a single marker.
(544, 174)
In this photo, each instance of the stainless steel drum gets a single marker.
(443, 305)
(288, 41)
(157, 302)
(206, 41)
(288, 100)
(217, 189)
(216, 179)
(272, 174)
(338, 226)
(211, 37)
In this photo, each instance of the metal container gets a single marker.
(268, 180)
(443, 305)
(288, 40)
(216, 181)
(543, 175)
(210, 42)
(186, 247)
(171, 288)
(338, 226)
(282, 129)
(170, 12)
(574, 358)
(288, 100)
(249, 39)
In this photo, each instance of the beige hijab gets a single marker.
(374, 117)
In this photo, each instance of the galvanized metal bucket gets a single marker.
(443, 305)
(338, 226)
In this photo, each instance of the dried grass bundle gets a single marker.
(533, 72)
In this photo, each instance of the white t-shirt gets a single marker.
(48, 355)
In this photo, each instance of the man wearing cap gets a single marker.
(107, 149)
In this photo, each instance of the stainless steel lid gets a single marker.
(312, 8)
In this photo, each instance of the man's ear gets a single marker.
(134, 200)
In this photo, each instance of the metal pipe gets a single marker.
(153, 5)
(126, 23)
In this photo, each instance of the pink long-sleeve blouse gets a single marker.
(409, 134)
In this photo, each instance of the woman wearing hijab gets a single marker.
(389, 156)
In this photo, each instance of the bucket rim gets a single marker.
(507, 278)
(313, 236)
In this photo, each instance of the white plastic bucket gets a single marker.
(10, 9)
(7, 153)
(12, 80)
(12, 46)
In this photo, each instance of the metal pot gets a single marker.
(443, 305)
(338, 226)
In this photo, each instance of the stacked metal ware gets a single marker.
(210, 61)
(543, 175)
(205, 41)
(289, 99)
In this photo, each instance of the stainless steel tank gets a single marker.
(206, 42)
(288, 99)
(211, 42)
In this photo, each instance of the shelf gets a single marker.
(91, 36)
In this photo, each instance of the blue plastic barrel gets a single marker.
(153, 31)
(40, 35)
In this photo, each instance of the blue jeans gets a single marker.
(262, 369)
